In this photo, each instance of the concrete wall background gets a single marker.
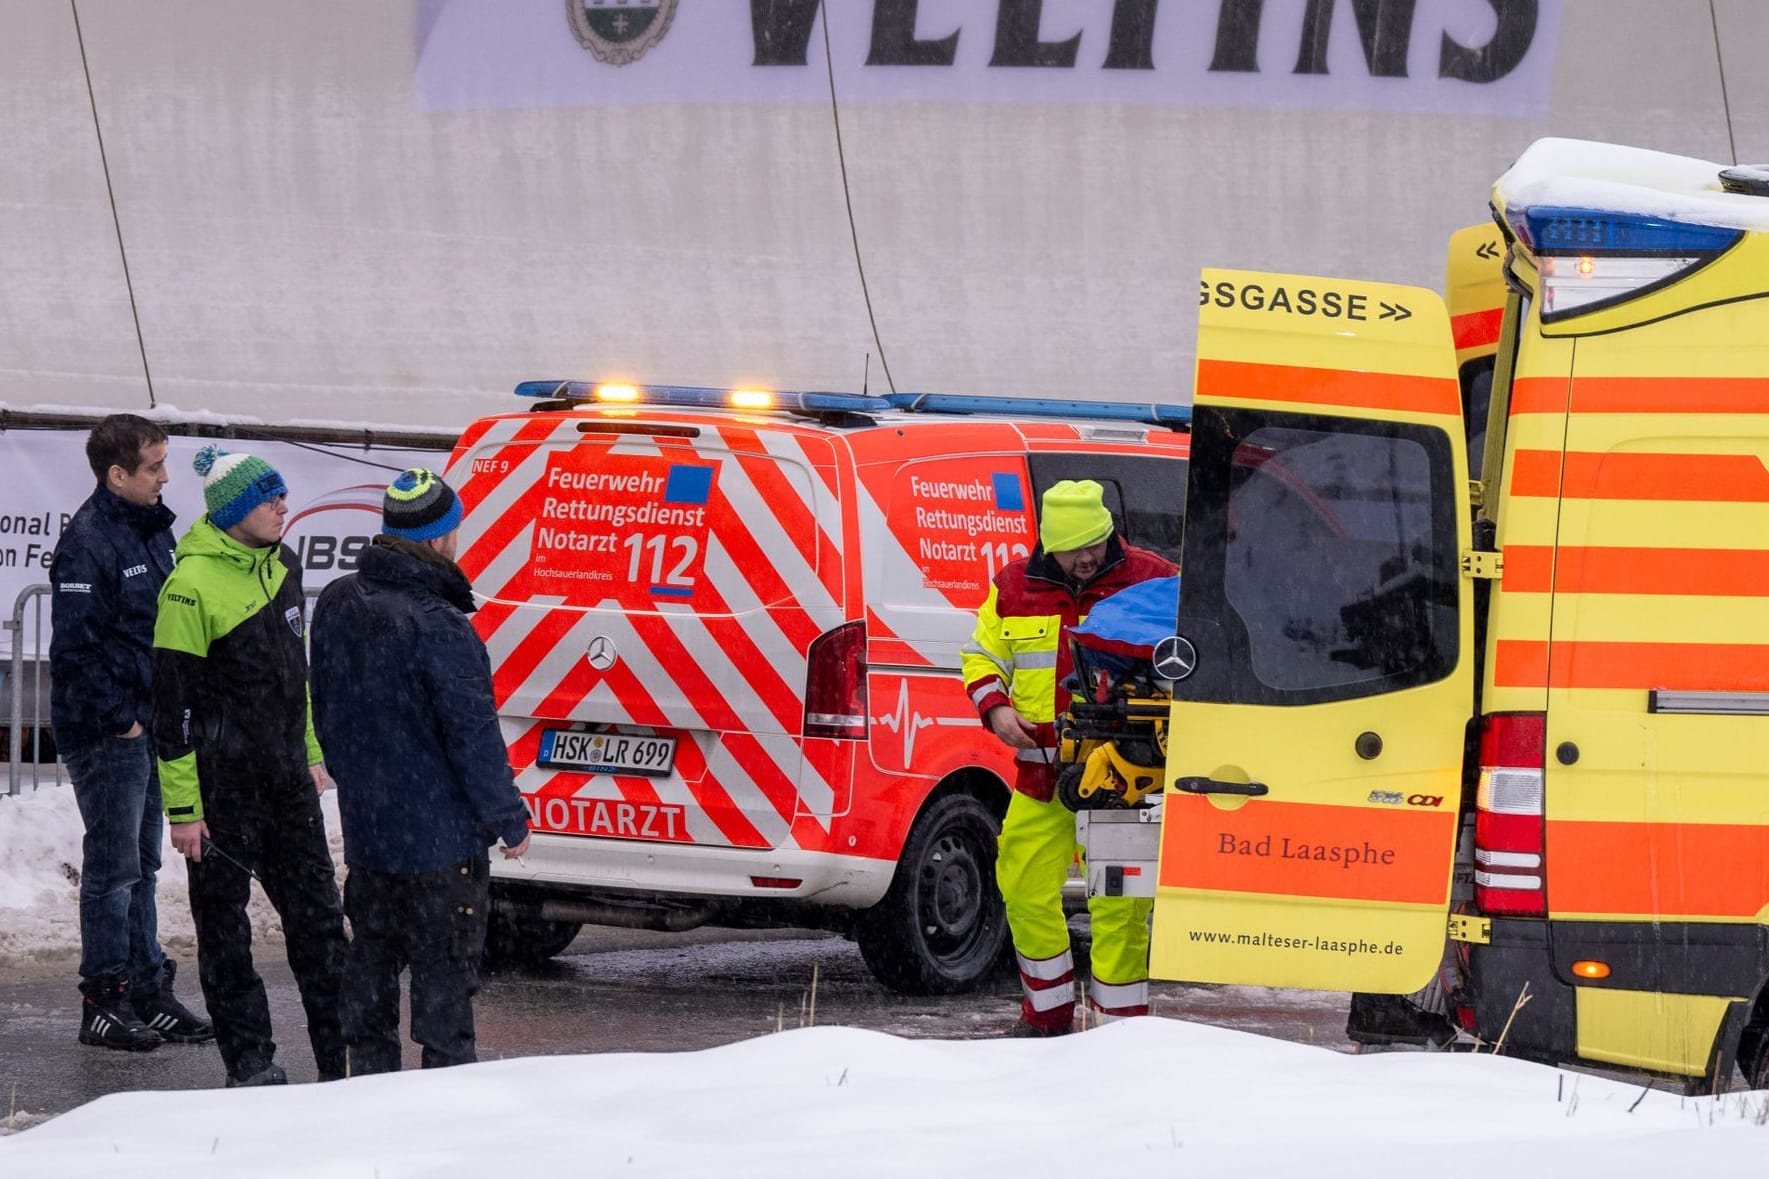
(305, 242)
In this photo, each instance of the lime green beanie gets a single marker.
(1074, 516)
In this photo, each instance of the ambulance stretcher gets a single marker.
(1113, 737)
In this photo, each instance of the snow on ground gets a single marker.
(40, 834)
(1144, 1097)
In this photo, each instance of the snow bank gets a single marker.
(1143, 1097)
(40, 836)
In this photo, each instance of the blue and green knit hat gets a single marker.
(420, 506)
(234, 484)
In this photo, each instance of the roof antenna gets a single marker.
(866, 374)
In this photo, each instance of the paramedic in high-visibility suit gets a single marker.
(1014, 666)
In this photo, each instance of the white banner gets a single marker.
(1460, 57)
(334, 504)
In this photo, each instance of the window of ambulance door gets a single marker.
(1330, 559)
(1144, 493)
(1477, 394)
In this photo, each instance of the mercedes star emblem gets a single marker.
(1175, 657)
(602, 654)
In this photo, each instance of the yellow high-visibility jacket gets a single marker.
(1018, 655)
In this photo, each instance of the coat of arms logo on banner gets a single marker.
(620, 31)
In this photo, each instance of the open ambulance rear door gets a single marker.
(1316, 746)
(1474, 289)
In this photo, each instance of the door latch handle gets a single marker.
(1212, 786)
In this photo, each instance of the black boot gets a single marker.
(270, 1074)
(175, 1022)
(108, 1021)
(1381, 1020)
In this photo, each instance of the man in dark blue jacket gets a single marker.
(402, 704)
(105, 583)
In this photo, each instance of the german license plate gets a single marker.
(606, 753)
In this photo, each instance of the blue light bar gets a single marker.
(1552, 230)
(692, 396)
(703, 398)
(1147, 412)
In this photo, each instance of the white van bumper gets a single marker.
(577, 863)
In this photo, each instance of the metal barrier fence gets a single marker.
(28, 689)
(34, 599)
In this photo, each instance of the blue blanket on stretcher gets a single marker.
(1134, 619)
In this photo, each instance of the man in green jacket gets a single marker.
(240, 769)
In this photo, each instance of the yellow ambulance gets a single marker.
(1561, 646)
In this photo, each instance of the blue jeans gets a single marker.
(117, 786)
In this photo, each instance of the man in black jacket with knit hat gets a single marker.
(403, 707)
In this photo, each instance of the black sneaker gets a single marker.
(175, 1022)
(1383, 1020)
(108, 1021)
(270, 1074)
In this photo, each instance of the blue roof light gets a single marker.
(698, 397)
(1557, 230)
(1148, 412)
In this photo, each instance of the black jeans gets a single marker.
(433, 923)
(277, 832)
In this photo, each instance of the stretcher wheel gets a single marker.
(1068, 792)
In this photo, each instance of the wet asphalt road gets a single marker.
(612, 991)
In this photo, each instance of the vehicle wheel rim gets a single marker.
(951, 910)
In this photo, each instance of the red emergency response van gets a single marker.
(724, 628)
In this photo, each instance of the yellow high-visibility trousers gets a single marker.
(1037, 846)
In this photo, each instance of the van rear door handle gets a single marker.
(1212, 786)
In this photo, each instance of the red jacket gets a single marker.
(1019, 653)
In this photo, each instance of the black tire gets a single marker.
(1753, 1056)
(513, 939)
(941, 928)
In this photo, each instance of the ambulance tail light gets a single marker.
(1589, 281)
(1509, 825)
(835, 684)
(1591, 258)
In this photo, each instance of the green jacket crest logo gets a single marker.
(620, 31)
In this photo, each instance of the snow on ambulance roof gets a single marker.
(1581, 174)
